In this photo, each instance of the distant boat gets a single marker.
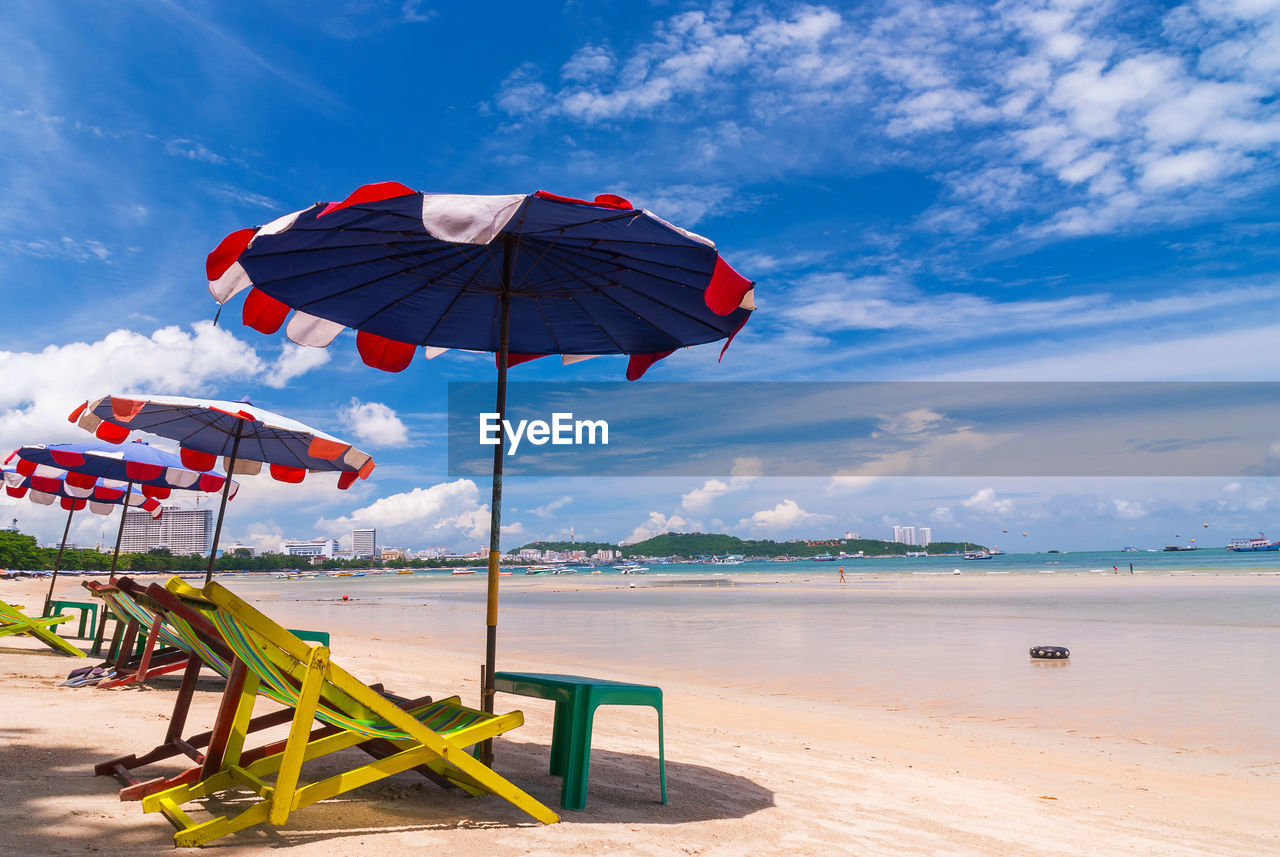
(464, 571)
(1180, 548)
(1259, 544)
(977, 555)
(917, 553)
(1129, 549)
(824, 557)
(631, 568)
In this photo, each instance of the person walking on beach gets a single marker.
(842, 580)
(1131, 568)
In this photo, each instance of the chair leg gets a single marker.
(299, 732)
(573, 792)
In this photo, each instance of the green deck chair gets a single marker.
(13, 621)
(273, 662)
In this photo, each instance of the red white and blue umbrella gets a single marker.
(155, 472)
(100, 498)
(523, 276)
(208, 430)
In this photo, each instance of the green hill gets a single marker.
(718, 544)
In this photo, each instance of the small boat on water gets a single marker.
(1261, 543)
(464, 571)
(1180, 547)
(977, 555)
(631, 568)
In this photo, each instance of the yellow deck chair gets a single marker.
(13, 621)
(271, 661)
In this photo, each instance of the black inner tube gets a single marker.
(1050, 652)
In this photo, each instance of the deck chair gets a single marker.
(163, 652)
(14, 621)
(205, 647)
(271, 661)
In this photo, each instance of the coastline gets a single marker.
(752, 768)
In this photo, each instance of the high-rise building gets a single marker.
(909, 535)
(364, 543)
(182, 531)
(926, 536)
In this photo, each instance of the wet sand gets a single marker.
(758, 760)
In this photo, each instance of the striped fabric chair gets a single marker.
(199, 640)
(14, 621)
(270, 661)
(164, 651)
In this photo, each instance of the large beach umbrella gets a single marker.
(208, 430)
(156, 473)
(523, 276)
(99, 497)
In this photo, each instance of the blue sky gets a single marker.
(1008, 191)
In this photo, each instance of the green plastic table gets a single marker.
(86, 608)
(577, 699)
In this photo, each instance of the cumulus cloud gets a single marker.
(449, 511)
(374, 422)
(786, 515)
(656, 525)
(294, 360)
(42, 387)
(988, 502)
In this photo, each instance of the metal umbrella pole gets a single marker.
(222, 508)
(57, 564)
(495, 500)
(124, 513)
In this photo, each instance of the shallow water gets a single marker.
(1181, 663)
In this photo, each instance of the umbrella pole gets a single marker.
(124, 513)
(222, 508)
(495, 508)
(57, 564)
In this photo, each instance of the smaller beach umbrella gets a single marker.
(99, 498)
(155, 472)
(208, 430)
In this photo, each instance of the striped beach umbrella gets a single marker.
(211, 431)
(155, 472)
(523, 276)
(99, 497)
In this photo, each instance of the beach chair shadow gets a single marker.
(14, 621)
(270, 661)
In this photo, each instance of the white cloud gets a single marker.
(988, 502)
(66, 247)
(1128, 509)
(448, 511)
(787, 514)
(656, 525)
(744, 472)
(374, 422)
(294, 360)
(546, 510)
(41, 388)
(193, 151)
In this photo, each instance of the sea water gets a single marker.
(1183, 656)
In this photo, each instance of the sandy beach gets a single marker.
(753, 768)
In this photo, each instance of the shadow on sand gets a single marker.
(51, 803)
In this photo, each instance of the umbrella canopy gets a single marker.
(207, 429)
(408, 269)
(100, 498)
(522, 275)
(155, 472)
